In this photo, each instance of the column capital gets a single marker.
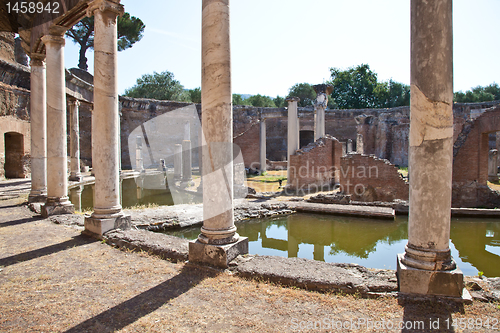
(37, 59)
(293, 99)
(53, 39)
(74, 102)
(105, 5)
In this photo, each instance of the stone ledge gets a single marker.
(316, 275)
(165, 246)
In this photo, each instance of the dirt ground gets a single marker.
(53, 279)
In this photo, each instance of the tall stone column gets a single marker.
(320, 104)
(492, 165)
(107, 213)
(177, 162)
(57, 167)
(427, 267)
(74, 141)
(38, 108)
(293, 138)
(187, 159)
(218, 242)
(139, 162)
(262, 145)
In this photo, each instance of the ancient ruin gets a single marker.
(450, 149)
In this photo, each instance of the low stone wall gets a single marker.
(369, 178)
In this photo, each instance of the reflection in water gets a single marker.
(368, 242)
(143, 190)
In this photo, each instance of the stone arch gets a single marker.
(14, 153)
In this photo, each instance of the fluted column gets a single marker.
(107, 213)
(57, 167)
(74, 141)
(38, 117)
(293, 138)
(218, 233)
(426, 266)
(262, 145)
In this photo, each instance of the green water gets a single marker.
(474, 244)
(150, 189)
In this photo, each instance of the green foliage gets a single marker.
(130, 31)
(237, 99)
(259, 101)
(160, 86)
(195, 95)
(480, 274)
(280, 102)
(305, 92)
(354, 88)
(358, 88)
(478, 94)
(391, 94)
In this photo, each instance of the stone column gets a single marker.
(187, 174)
(262, 145)
(38, 108)
(320, 104)
(57, 167)
(139, 162)
(107, 213)
(218, 242)
(427, 267)
(349, 146)
(177, 162)
(293, 142)
(74, 141)
(492, 165)
(360, 146)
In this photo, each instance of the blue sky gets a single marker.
(277, 43)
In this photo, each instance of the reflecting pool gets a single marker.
(474, 244)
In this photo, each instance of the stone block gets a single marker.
(217, 255)
(429, 283)
(100, 226)
(49, 210)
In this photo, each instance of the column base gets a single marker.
(430, 283)
(99, 226)
(217, 255)
(37, 198)
(76, 178)
(58, 206)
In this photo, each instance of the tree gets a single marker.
(195, 95)
(160, 86)
(391, 94)
(280, 102)
(478, 94)
(354, 88)
(305, 92)
(237, 99)
(260, 101)
(130, 30)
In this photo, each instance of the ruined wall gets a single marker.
(315, 165)
(162, 122)
(369, 178)
(14, 116)
(470, 162)
(7, 47)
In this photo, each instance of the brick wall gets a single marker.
(369, 178)
(470, 162)
(315, 165)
